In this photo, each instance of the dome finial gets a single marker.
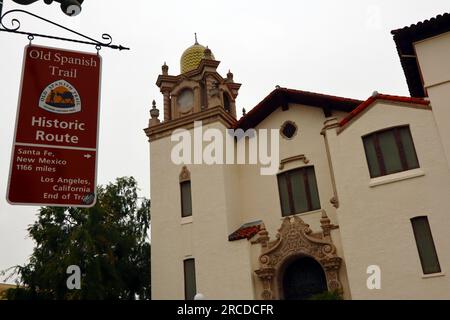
(195, 34)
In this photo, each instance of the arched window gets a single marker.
(389, 151)
(204, 96)
(226, 102)
(185, 190)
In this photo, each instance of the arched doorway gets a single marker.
(303, 278)
(295, 239)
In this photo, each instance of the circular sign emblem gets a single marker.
(60, 97)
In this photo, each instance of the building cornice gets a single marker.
(164, 129)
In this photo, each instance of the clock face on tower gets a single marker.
(185, 101)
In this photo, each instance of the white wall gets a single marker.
(375, 222)
(225, 197)
(259, 194)
(222, 268)
(433, 56)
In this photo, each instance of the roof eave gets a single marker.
(282, 97)
(406, 37)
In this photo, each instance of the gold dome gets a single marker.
(191, 57)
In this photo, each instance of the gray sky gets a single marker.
(333, 47)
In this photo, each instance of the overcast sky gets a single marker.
(335, 47)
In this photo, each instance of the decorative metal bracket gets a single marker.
(15, 26)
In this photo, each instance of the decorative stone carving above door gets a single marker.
(296, 239)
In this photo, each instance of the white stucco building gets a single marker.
(361, 186)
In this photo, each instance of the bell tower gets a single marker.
(193, 201)
(198, 87)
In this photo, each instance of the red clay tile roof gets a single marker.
(404, 39)
(246, 231)
(378, 96)
(281, 97)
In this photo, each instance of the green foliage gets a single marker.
(327, 295)
(109, 242)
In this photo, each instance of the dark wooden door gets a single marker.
(303, 278)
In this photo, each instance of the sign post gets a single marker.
(54, 156)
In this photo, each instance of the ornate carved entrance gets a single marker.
(295, 239)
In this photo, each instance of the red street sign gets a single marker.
(54, 156)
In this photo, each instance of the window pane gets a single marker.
(298, 191)
(371, 156)
(284, 195)
(425, 245)
(190, 286)
(315, 202)
(408, 147)
(295, 187)
(389, 150)
(186, 200)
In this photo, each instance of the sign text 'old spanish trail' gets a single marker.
(54, 154)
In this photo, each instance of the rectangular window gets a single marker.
(425, 245)
(186, 199)
(390, 151)
(298, 191)
(190, 286)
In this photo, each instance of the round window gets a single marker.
(288, 130)
(185, 100)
